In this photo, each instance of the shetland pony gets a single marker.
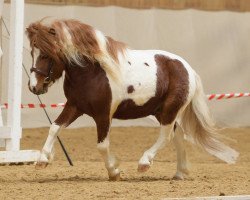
(105, 79)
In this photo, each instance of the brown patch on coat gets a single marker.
(93, 98)
(69, 114)
(130, 89)
(178, 87)
(129, 62)
(146, 64)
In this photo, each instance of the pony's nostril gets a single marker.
(34, 89)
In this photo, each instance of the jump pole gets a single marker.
(12, 132)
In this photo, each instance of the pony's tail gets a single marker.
(198, 123)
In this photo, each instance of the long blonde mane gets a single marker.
(71, 40)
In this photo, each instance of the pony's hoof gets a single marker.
(117, 177)
(178, 177)
(185, 171)
(143, 167)
(41, 165)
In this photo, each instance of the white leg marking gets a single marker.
(110, 161)
(148, 155)
(47, 151)
(182, 165)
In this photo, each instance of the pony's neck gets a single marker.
(83, 71)
(58, 71)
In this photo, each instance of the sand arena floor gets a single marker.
(88, 178)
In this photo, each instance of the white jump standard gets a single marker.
(11, 133)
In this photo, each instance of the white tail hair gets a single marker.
(198, 123)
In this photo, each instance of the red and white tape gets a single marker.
(32, 105)
(227, 96)
(209, 97)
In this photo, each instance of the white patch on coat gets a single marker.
(141, 74)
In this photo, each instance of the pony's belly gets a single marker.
(128, 109)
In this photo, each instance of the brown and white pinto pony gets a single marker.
(105, 79)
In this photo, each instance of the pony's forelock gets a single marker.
(41, 37)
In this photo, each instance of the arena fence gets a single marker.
(211, 5)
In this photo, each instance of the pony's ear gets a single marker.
(32, 29)
(52, 31)
(27, 30)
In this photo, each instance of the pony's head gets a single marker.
(48, 63)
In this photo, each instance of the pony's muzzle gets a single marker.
(37, 91)
(33, 90)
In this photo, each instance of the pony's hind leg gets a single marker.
(147, 159)
(111, 164)
(182, 165)
(167, 118)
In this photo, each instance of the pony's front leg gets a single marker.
(68, 115)
(111, 164)
(47, 150)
